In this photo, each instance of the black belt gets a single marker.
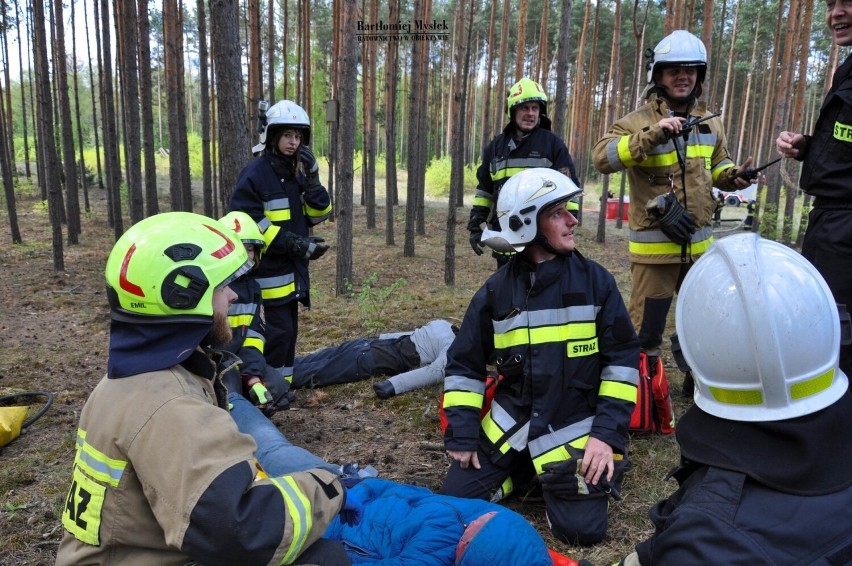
(832, 203)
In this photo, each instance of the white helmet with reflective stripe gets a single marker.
(679, 49)
(521, 200)
(760, 330)
(285, 113)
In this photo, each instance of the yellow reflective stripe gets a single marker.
(624, 152)
(842, 132)
(618, 390)
(667, 248)
(255, 343)
(238, 320)
(506, 173)
(558, 454)
(269, 234)
(84, 505)
(299, 511)
(314, 212)
(494, 433)
(482, 201)
(463, 399)
(812, 386)
(670, 157)
(718, 171)
(97, 464)
(737, 396)
(278, 215)
(545, 334)
(278, 292)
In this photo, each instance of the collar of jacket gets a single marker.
(661, 105)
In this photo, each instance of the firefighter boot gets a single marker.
(688, 388)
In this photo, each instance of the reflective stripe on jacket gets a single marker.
(268, 190)
(567, 324)
(162, 476)
(637, 144)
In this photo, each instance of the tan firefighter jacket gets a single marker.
(637, 144)
(162, 476)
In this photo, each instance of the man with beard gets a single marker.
(673, 151)
(525, 142)
(161, 474)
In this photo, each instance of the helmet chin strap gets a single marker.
(541, 240)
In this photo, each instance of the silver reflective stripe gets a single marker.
(522, 163)
(549, 441)
(277, 204)
(256, 335)
(724, 163)
(657, 236)
(275, 282)
(612, 155)
(459, 383)
(623, 374)
(547, 317)
(264, 224)
(241, 308)
(482, 194)
(504, 420)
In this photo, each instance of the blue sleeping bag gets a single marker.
(407, 525)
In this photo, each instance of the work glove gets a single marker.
(257, 391)
(279, 389)
(562, 480)
(353, 510)
(675, 221)
(474, 226)
(304, 247)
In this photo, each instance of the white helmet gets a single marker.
(285, 113)
(521, 200)
(760, 329)
(679, 49)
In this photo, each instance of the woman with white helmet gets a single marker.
(559, 331)
(765, 450)
(673, 162)
(282, 192)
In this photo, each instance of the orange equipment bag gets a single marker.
(491, 381)
(653, 411)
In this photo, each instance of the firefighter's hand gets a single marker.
(465, 458)
(671, 126)
(258, 393)
(791, 145)
(597, 460)
(675, 221)
(739, 182)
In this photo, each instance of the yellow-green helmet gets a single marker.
(245, 228)
(166, 267)
(525, 90)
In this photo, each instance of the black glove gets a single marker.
(675, 221)
(279, 389)
(303, 247)
(474, 226)
(563, 480)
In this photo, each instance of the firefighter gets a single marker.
(764, 475)
(526, 142)
(281, 191)
(161, 474)
(560, 333)
(672, 167)
(826, 157)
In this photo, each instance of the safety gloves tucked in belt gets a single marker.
(675, 221)
(305, 247)
(562, 479)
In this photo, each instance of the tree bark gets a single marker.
(563, 63)
(127, 23)
(391, 75)
(210, 205)
(231, 118)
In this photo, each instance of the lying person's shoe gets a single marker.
(384, 389)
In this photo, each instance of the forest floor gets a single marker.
(55, 328)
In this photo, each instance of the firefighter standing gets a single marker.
(281, 191)
(558, 328)
(526, 142)
(826, 173)
(672, 170)
(161, 474)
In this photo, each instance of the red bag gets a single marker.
(491, 381)
(653, 411)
